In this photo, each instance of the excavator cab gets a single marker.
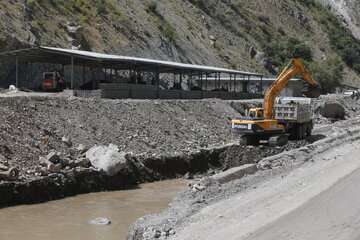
(255, 113)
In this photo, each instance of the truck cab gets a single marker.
(52, 81)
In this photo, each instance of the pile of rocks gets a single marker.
(54, 162)
(161, 234)
(36, 126)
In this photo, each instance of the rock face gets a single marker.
(349, 11)
(107, 158)
(168, 30)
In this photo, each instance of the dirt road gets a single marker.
(334, 214)
(318, 200)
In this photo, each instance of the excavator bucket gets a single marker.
(312, 92)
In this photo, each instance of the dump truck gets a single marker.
(279, 120)
(296, 115)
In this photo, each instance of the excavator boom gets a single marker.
(294, 68)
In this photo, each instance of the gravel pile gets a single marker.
(31, 128)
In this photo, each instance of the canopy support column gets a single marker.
(72, 73)
(17, 72)
(235, 83)
(181, 80)
(206, 82)
(157, 80)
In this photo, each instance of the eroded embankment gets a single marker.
(138, 170)
(33, 127)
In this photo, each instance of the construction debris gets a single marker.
(8, 173)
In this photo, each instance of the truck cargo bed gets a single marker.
(294, 112)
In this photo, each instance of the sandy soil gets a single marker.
(315, 201)
(333, 214)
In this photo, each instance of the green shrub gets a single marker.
(168, 31)
(329, 73)
(281, 51)
(341, 39)
(152, 7)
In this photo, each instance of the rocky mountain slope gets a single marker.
(253, 35)
(348, 11)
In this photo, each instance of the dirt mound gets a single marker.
(33, 127)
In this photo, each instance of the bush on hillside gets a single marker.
(281, 51)
(329, 74)
(341, 38)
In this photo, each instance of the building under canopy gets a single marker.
(125, 77)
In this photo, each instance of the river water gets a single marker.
(68, 219)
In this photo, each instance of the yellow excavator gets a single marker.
(275, 123)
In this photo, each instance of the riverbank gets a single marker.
(138, 170)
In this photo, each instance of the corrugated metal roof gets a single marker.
(47, 54)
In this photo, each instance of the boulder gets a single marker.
(100, 221)
(81, 148)
(54, 168)
(333, 110)
(53, 157)
(107, 158)
(2, 158)
(82, 162)
(67, 141)
(10, 175)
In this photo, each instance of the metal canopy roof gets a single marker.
(253, 79)
(64, 56)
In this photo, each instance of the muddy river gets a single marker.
(68, 219)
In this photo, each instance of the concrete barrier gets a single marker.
(143, 94)
(115, 93)
(235, 173)
(192, 95)
(170, 94)
(87, 93)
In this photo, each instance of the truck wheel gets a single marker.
(309, 129)
(300, 131)
(279, 140)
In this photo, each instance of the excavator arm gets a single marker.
(294, 68)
